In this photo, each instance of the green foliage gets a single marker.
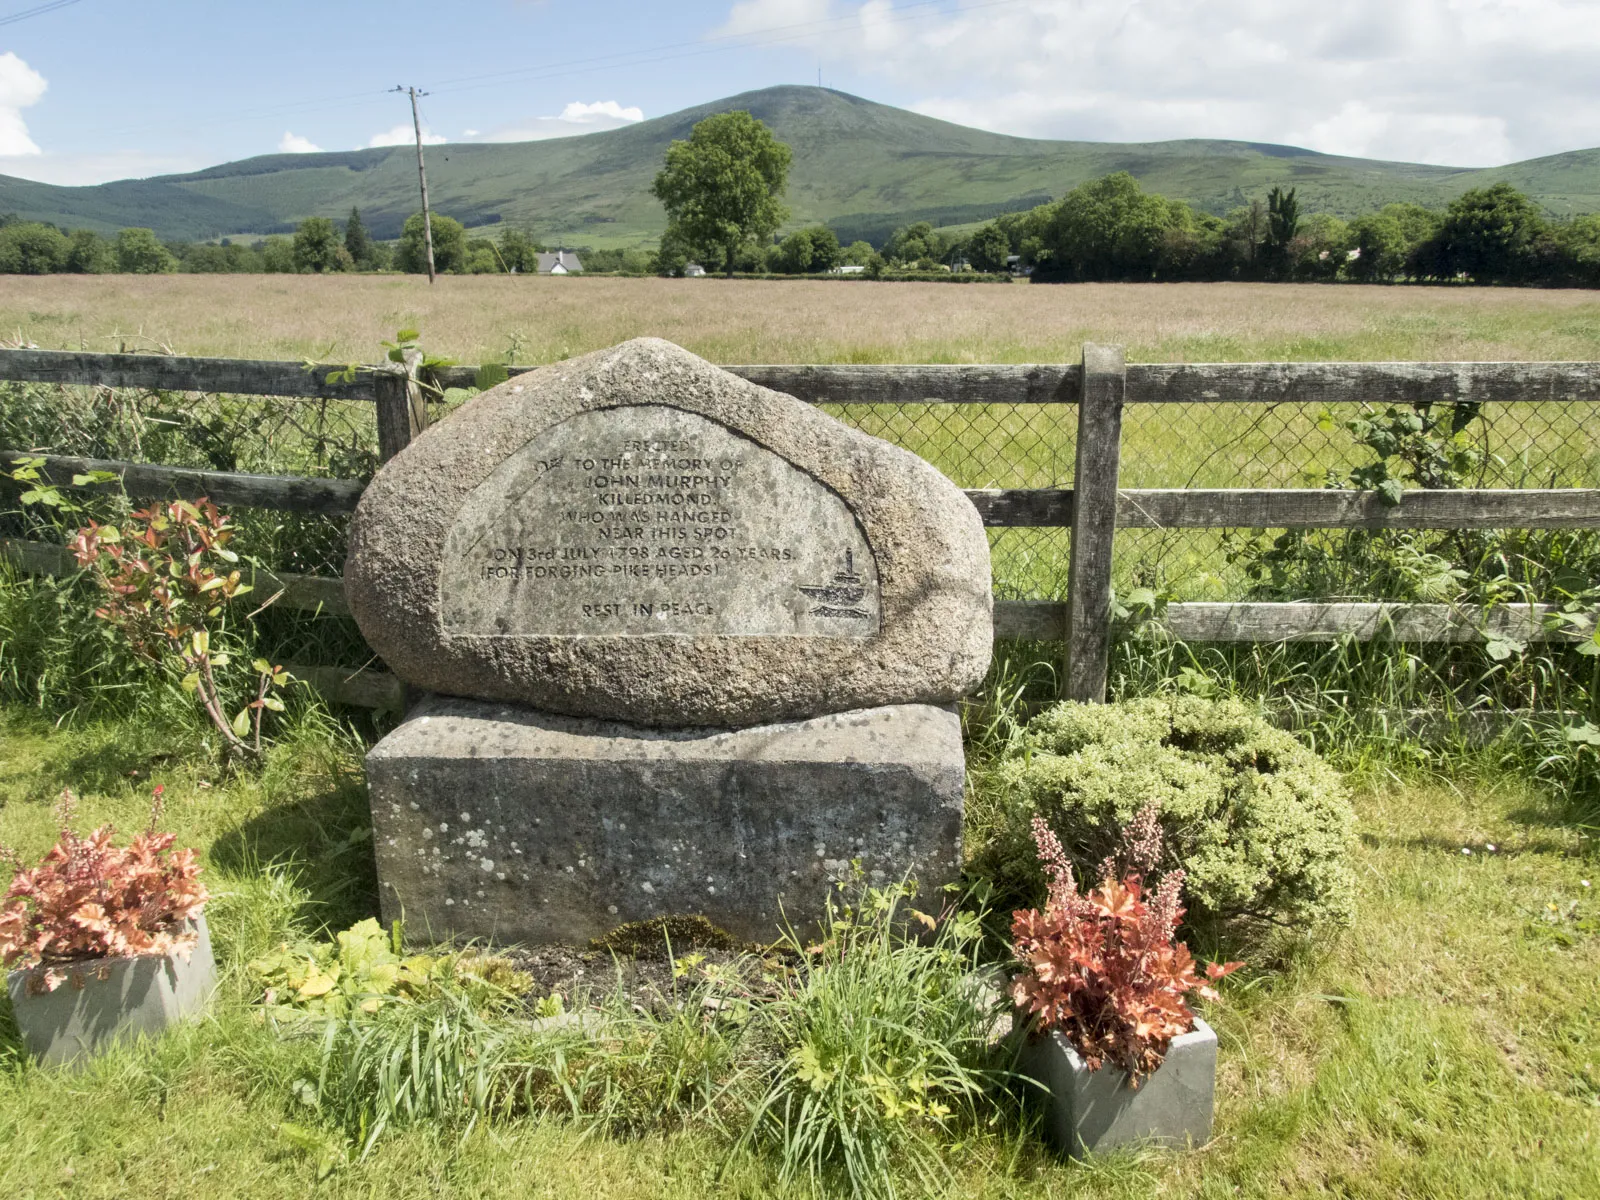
(1110, 229)
(449, 245)
(317, 247)
(1487, 234)
(277, 256)
(30, 248)
(881, 1043)
(88, 254)
(811, 251)
(139, 252)
(357, 241)
(519, 252)
(989, 248)
(1260, 825)
(1283, 223)
(721, 188)
(364, 967)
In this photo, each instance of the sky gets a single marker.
(92, 90)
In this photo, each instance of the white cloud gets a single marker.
(405, 135)
(576, 118)
(601, 111)
(1463, 82)
(20, 87)
(293, 143)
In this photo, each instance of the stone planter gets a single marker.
(1091, 1112)
(110, 999)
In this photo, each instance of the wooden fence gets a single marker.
(1099, 387)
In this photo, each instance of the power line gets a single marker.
(38, 10)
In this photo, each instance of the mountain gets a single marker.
(862, 167)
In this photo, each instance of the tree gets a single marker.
(814, 250)
(1380, 247)
(449, 245)
(1487, 234)
(1109, 229)
(317, 247)
(31, 248)
(1319, 249)
(721, 188)
(88, 253)
(857, 253)
(989, 248)
(357, 242)
(519, 252)
(483, 258)
(1283, 223)
(277, 256)
(140, 252)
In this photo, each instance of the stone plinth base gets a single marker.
(492, 821)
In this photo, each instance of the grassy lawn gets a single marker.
(1447, 1045)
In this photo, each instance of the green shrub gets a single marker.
(1261, 825)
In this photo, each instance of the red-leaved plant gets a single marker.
(91, 900)
(1101, 966)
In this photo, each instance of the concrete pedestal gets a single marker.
(505, 823)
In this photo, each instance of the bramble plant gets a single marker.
(88, 899)
(1102, 966)
(169, 576)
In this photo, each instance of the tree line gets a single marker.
(722, 192)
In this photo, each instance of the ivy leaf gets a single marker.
(1391, 492)
(1588, 733)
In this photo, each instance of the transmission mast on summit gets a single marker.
(422, 176)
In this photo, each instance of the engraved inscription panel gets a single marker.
(648, 520)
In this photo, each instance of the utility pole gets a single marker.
(422, 176)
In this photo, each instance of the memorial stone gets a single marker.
(693, 645)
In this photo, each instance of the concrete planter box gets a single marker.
(109, 1000)
(1091, 1112)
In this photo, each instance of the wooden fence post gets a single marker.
(402, 410)
(1094, 522)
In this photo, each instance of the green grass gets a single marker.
(1447, 1045)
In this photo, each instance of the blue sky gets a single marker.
(101, 89)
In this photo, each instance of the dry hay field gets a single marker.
(472, 318)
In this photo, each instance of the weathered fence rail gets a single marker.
(1094, 508)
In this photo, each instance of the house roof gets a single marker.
(566, 259)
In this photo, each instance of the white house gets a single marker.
(693, 271)
(562, 262)
(849, 269)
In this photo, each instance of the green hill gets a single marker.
(860, 166)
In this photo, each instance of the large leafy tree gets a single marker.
(449, 245)
(140, 252)
(317, 247)
(989, 248)
(722, 187)
(31, 248)
(1488, 234)
(1110, 229)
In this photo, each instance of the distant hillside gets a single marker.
(863, 167)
